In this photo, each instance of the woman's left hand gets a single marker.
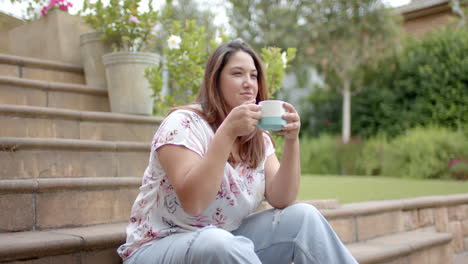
(293, 126)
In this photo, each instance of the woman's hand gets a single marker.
(293, 126)
(243, 119)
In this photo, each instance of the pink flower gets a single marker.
(44, 11)
(62, 5)
(134, 19)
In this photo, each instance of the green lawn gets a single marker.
(349, 189)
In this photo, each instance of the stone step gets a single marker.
(98, 243)
(19, 91)
(40, 69)
(38, 204)
(47, 122)
(32, 158)
(412, 247)
(366, 220)
(84, 245)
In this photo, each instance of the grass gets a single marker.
(349, 189)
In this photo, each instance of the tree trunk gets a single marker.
(346, 128)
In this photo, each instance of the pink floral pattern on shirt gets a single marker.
(157, 213)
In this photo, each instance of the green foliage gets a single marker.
(459, 169)
(424, 153)
(279, 145)
(276, 63)
(371, 158)
(188, 10)
(427, 83)
(185, 63)
(321, 112)
(122, 23)
(419, 153)
(319, 155)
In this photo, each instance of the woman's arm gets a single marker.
(196, 179)
(282, 179)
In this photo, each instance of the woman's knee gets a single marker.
(216, 243)
(301, 210)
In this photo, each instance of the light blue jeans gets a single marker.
(298, 233)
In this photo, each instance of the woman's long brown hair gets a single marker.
(214, 108)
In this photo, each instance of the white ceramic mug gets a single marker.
(272, 112)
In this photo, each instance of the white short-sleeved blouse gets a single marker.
(157, 212)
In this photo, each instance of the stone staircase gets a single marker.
(70, 170)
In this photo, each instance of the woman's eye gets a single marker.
(253, 76)
(237, 74)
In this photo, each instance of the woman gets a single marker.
(209, 169)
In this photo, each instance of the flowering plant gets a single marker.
(122, 23)
(36, 7)
(185, 53)
(53, 4)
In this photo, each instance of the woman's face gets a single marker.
(238, 80)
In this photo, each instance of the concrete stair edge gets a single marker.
(40, 63)
(34, 244)
(12, 144)
(390, 247)
(61, 184)
(375, 207)
(38, 111)
(53, 86)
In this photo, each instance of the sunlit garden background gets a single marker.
(384, 111)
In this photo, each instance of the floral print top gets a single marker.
(157, 212)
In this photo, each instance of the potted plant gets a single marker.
(129, 32)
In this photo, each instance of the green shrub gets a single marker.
(424, 153)
(426, 83)
(319, 155)
(458, 168)
(371, 158)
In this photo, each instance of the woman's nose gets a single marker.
(248, 81)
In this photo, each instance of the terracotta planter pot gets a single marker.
(129, 90)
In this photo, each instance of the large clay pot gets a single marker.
(129, 90)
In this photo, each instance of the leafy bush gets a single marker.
(321, 112)
(419, 153)
(424, 153)
(458, 168)
(427, 83)
(371, 158)
(319, 155)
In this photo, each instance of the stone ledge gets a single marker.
(36, 111)
(15, 144)
(33, 244)
(391, 247)
(62, 184)
(375, 207)
(53, 86)
(40, 63)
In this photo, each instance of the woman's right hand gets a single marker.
(242, 120)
